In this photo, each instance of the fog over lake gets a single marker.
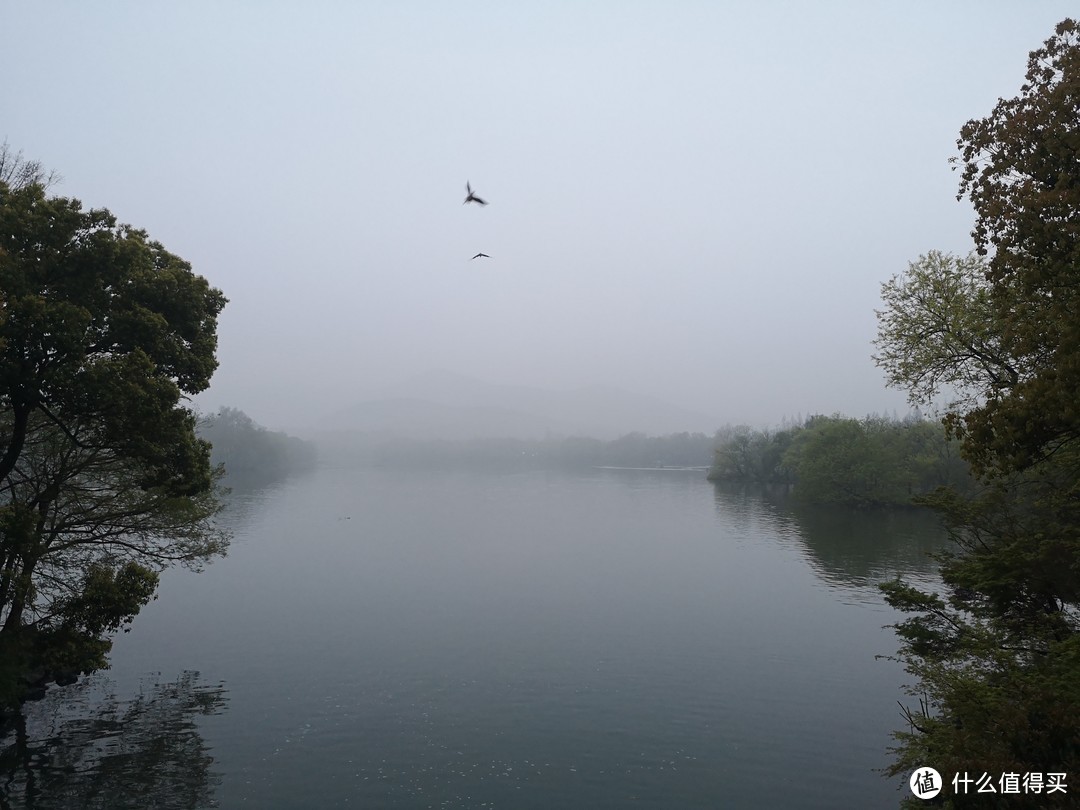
(469, 596)
(530, 639)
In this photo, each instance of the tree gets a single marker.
(837, 460)
(103, 481)
(1021, 170)
(18, 172)
(997, 654)
(743, 454)
(936, 332)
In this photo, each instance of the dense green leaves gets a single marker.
(758, 456)
(103, 480)
(937, 332)
(997, 654)
(101, 325)
(991, 699)
(1021, 170)
(837, 460)
(108, 599)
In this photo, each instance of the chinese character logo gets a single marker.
(925, 783)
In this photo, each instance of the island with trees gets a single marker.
(246, 449)
(872, 462)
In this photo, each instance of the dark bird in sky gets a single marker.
(472, 197)
(480, 255)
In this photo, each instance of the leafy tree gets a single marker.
(743, 454)
(834, 461)
(997, 655)
(103, 481)
(838, 460)
(937, 331)
(1021, 170)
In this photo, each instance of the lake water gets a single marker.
(504, 639)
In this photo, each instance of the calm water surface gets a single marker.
(505, 639)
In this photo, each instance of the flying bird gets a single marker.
(480, 255)
(472, 197)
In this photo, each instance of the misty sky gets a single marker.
(692, 200)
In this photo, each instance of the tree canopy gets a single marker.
(937, 332)
(1021, 170)
(997, 653)
(104, 330)
(838, 460)
(103, 481)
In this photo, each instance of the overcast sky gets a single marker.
(693, 200)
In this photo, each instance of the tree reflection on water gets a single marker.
(846, 547)
(84, 747)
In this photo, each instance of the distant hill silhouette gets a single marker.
(444, 405)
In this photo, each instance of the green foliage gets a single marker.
(108, 598)
(997, 654)
(743, 454)
(1021, 170)
(103, 481)
(104, 328)
(837, 460)
(937, 331)
(992, 699)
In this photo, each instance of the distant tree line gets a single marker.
(244, 447)
(839, 460)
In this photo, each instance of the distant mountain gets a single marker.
(424, 419)
(440, 404)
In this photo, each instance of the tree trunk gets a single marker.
(21, 413)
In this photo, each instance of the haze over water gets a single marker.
(692, 201)
(537, 639)
(692, 208)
